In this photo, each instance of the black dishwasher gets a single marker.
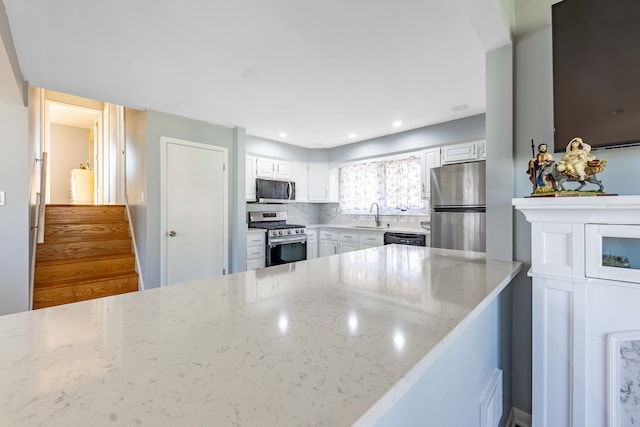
(413, 239)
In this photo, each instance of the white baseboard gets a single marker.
(518, 418)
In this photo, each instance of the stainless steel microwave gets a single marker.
(275, 191)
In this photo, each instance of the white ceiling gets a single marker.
(315, 70)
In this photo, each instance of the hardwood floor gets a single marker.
(87, 253)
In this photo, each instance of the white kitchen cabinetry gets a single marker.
(255, 249)
(582, 299)
(328, 243)
(323, 184)
(273, 168)
(333, 241)
(370, 240)
(347, 242)
(250, 178)
(318, 184)
(482, 150)
(312, 243)
(430, 159)
(299, 173)
(334, 185)
(463, 152)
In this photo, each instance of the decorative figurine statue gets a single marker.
(578, 164)
(537, 164)
(575, 161)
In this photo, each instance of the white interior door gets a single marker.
(194, 211)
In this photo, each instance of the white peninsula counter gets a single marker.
(335, 341)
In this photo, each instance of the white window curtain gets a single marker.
(393, 184)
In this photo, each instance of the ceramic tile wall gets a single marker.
(329, 213)
(297, 213)
(630, 383)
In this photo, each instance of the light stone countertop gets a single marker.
(329, 341)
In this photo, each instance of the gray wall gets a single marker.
(499, 122)
(144, 130)
(14, 215)
(461, 130)
(136, 182)
(270, 148)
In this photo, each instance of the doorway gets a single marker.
(194, 211)
(85, 142)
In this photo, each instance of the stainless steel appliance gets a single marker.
(458, 206)
(285, 242)
(275, 191)
(413, 239)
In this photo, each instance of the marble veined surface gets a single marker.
(325, 342)
(630, 383)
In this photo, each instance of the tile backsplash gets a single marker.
(329, 213)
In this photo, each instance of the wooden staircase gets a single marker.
(86, 254)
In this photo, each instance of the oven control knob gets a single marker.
(280, 233)
(288, 231)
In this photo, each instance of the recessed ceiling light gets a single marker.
(397, 124)
(283, 135)
(352, 135)
(460, 107)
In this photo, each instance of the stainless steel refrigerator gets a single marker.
(458, 207)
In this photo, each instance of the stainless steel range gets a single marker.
(285, 242)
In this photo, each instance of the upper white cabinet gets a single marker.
(430, 159)
(272, 168)
(463, 152)
(299, 172)
(482, 150)
(250, 178)
(318, 184)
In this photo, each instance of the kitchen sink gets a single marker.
(371, 226)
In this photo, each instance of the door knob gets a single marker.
(172, 234)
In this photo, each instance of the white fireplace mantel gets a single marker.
(581, 305)
(582, 209)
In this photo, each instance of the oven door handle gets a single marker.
(273, 242)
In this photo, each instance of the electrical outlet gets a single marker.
(2, 202)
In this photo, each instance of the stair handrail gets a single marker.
(38, 222)
(42, 200)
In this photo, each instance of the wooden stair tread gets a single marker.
(52, 296)
(87, 253)
(84, 240)
(85, 281)
(83, 259)
(82, 249)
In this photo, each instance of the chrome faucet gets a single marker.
(377, 213)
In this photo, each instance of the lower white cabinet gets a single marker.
(370, 240)
(339, 241)
(328, 243)
(312, 243)
(256, 249)
(585, 264)
(347, 242)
